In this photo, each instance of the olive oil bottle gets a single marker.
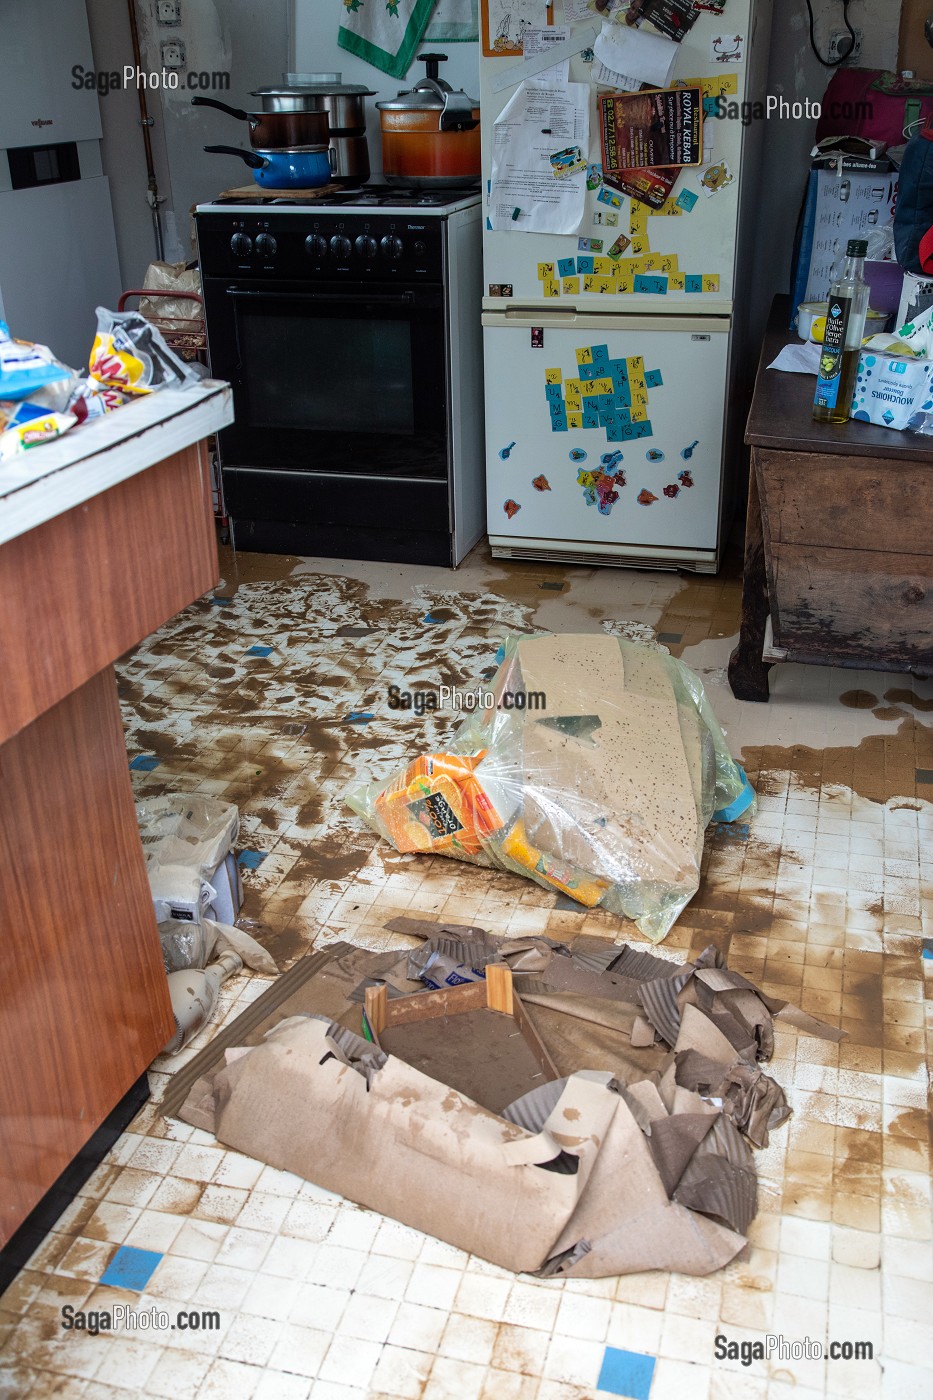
(845, 328)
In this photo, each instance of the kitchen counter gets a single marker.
(103, 536)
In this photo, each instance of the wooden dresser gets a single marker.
(839, 537)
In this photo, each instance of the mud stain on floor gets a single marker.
(878, 767)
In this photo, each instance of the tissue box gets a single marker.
(889, 392)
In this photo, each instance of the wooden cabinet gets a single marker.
(839, 538)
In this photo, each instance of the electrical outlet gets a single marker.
(173, 53)
(839, 42)
(168, 12)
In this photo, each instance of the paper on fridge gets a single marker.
(542, 41)
(649, 58)
(540, 121)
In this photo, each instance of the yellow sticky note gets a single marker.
(639, 415)
(602, 386)
(553, 376)
(573, 386)
(638, 218)
(585, 354)
(545, 271)
(723, 85)
(669, 263)
(603, 267)
(571, 286)
(640, 243)
(607, 286)
(625, 282)
(574, 420)
(550, 287)
(676, 282)
(651, 262)
(711, 281)
(669, 209)
(636, 367)
(589, 388)
(574, 402)
(589, 285)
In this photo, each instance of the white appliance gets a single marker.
(640, 470)
(58, 251)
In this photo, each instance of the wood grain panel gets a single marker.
(845, 503)
(87, 586)
(853, 603)
(84, 998)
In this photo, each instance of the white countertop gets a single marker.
(46, 481)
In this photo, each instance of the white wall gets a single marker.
(248, 39)
(314, 26)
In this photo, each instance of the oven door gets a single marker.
(334, 379)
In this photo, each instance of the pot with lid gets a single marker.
(344, 103)
(430, 134)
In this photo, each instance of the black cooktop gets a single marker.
(363, 196)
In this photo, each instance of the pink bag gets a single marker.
(869, 102)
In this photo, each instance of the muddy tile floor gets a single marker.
(272, 692)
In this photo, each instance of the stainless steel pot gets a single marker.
(289, 100)
(349, 158)
(276, 131)
(345, 103)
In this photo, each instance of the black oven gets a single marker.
(332, 378)
(334, 327)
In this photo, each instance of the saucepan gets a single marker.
(430, 134)
(276, 131)
(302, 169)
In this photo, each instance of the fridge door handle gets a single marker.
(557, 317)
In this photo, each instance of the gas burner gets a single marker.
(361, 197)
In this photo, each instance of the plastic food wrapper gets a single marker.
(130, 354)
(92, 400)
(29, 427)
(591, 764)
(32, 371)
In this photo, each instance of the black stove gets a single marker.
(361, 197)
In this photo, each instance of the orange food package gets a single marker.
(438, 804)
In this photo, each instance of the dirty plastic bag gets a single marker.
(186, 945)
(179, 312)
(185, 837)
(131, 355)
(590, 764)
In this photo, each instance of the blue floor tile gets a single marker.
(259, 651)
(145, 762)
(359, 717)
(251, 860)
(627, 1373)
(131, 1268)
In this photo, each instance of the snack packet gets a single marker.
(92, 400)
(26, 368)
(131, 355)
(33, 432)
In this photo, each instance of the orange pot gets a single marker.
(430, 134)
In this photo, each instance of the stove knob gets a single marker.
(420, 249)
(391, 247)
(266, 245)
(340, 247)
(365, 247)
(316, 246)
(241, 244)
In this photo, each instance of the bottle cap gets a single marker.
(857, 248)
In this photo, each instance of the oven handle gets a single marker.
(391, 299)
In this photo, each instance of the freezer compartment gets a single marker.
(604, 437)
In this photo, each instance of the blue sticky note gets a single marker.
(686, 200)
(600, 355)
(588, 373)
(587, 265)
(553, 392)
(131, 1268)
(693, 282)
(655, 286)
(653, 379)
(567, 267)
(627, 1373)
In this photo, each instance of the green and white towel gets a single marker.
(454, 22)
(385, 33)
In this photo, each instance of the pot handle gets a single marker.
(332, 157)
(221, 107)
(458, 113)
(250, 157)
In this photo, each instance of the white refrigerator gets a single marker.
(613, 432)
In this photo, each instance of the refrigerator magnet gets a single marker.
(727, 48)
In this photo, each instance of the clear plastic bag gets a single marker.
(590, 764)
